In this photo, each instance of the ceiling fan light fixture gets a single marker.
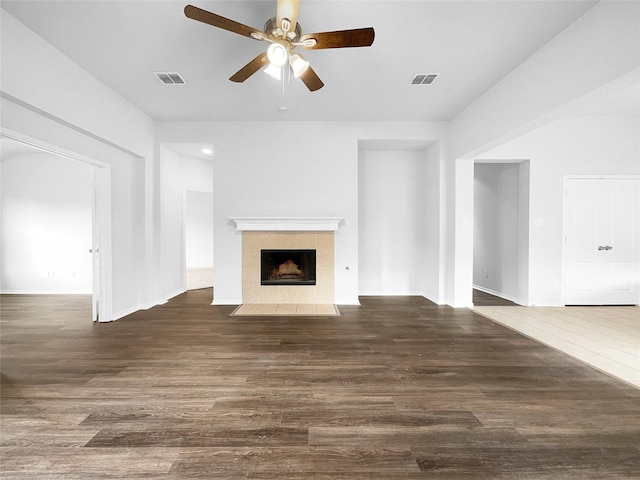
(298, 64)
(277, 54)
(273, 71)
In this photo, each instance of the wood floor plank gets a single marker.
(397, 388)
(296, 460)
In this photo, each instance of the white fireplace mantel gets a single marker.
(287, 224)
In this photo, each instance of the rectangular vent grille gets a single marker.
(170, 78)
(424, 78)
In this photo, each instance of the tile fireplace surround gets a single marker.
(288, 233)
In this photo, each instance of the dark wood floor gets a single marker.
(397, 388)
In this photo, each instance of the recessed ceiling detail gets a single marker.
(424, 78)
(170, 78)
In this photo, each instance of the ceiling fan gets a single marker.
(284, 34)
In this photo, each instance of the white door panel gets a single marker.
(601, 255)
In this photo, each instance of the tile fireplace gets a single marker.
(288, 260)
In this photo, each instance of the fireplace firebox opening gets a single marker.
(287, 267)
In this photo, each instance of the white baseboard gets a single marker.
(390, 294)
(146, 306)
(122, 313)
(226, 301)
(437, 301)
(347, 301)
(497, 294)
(169, 296)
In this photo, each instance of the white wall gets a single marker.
(433, 224)
(569, 146)
(38, 74)
(199, 229)
(47, 97)
(597, 55)
(392, 209)
(288, 169)
(46, 203)
(495, 232)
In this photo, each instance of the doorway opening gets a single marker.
(198, 231)
(501, 232)
(50, 222)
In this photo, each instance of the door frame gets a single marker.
(101, 220)
(565, 218)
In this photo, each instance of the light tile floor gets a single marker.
(607, 338)
(285, 309)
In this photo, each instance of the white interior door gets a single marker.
(602, 241)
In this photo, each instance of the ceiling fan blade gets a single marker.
(311, 80)
(250, 68)
(209, 18)
(358, 37)
(288, 9)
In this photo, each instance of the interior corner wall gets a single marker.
(391, 215)
(579, 145)
(433, 266)
(524, 211)
(46, 232)
(172, 267)
(461, 266)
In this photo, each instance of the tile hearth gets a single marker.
(286, 309)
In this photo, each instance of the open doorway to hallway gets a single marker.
(198, 231)
(48, 230)
(501, 232)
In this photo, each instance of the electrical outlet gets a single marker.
(486, 273)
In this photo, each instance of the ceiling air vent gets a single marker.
(170, 78)
(424, 78)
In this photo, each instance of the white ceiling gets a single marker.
(471, 44)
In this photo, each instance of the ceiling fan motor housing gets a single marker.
(275, 31)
